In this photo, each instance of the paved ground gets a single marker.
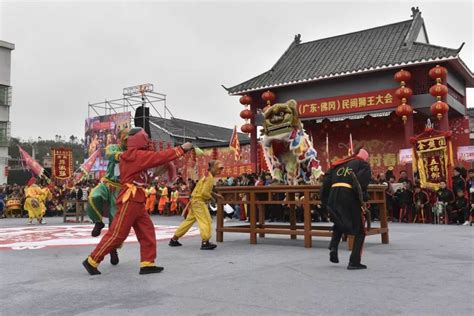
(425, 270)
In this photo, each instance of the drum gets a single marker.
(13, 207)
(13, 204)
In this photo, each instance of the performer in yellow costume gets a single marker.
(198, 210)
(35, 201)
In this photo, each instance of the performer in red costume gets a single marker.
(134, 163)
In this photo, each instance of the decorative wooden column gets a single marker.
(253, 139)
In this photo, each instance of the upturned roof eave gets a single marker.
(345, 74)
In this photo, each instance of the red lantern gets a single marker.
(403, 92)
(439, 108)
(245, 100)
(438, 90)
(438, 72)
(268, 97)
(402, 75)
(246, 114)
(404, 111)
(247, 128)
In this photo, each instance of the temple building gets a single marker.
(345, 86)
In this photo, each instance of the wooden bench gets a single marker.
(258, 197)
(78, 212)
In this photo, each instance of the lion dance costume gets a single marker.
(134, 163)
(288, 150)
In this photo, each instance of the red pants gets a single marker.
(130, 214)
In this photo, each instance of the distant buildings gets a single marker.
(5, 103)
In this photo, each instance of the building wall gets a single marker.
(383, 136)
(5, 103)
(5, 66)
(381, 80)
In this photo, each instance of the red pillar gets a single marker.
(408, 126)
(253, 138)
(444, 123)
(408, 131)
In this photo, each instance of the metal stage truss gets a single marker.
(134, 97)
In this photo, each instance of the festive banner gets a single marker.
(86, 167)
(30, 163)
(62, 163)
(234, 144)
(101, 131)
(433, 156)
(344, 104)
(405, 156)
(195, 166)
(466, 153)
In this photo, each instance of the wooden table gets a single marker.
(78, 213)
(258, 197)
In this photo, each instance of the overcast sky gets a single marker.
(71, 53)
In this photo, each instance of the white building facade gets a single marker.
(5, 103)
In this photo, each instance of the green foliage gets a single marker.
(43, 148)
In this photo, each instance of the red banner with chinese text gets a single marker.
(345, 104)
(62, 163)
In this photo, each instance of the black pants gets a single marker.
(356, 248)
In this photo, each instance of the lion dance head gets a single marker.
(288, 150)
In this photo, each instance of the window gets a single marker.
(5, 96)
(4, 133)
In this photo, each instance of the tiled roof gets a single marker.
(199, 133)
(379, 47)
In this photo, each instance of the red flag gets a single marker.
(30, 163)
(351, 145)
(234, 144)
(327, 151)
(86, 167)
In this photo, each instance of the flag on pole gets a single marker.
(234, 144)
(351, 145)
(327, 151)
(30, 163)
(86, 167)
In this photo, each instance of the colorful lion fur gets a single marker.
(288, 150)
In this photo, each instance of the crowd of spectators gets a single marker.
(406, 200)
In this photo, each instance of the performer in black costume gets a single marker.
(344, 194)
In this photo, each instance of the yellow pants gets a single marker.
(197, 212)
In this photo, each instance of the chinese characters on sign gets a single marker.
(432, 154)
(62, 163)
(369, 101)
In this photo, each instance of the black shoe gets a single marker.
(153, 269)
(174, 243)
(92, 270)
(356, 266)
(114, 259)
(208, 246)
(97, 228)
(333, 256)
